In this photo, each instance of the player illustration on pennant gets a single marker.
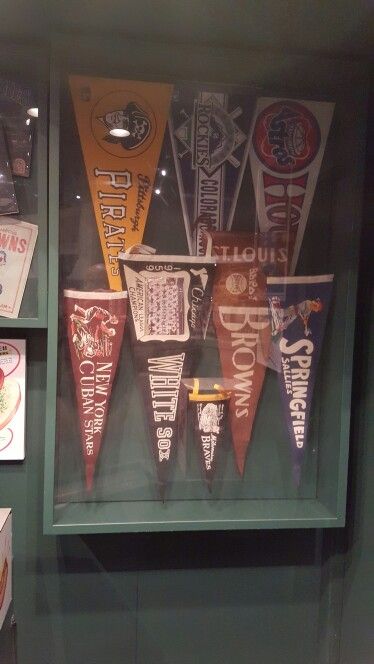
(282, 318)
(133, 120)
(210, 417)
(91, 332)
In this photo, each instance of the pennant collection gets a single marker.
(236, 287)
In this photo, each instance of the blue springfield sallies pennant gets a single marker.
(209, 129)
(298, 313)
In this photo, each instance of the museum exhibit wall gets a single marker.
(160, 598)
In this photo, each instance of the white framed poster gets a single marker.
(12, 399)
(17, 243)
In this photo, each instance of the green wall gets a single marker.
(357, 643)
(262, 597)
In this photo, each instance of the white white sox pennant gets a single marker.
(286, 151)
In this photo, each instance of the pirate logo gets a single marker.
(133, 120)
(123, 124)
(282, 318)
(210, 135)
(286, 137)
(91, 331)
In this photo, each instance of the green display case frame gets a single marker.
(344, 80)
(31, 62)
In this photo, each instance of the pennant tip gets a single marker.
(162, 491)
(90, 471)
(296, 474)
(240, 464)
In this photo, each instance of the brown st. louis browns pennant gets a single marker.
(241, 320)
(121, 127)
(288, 142)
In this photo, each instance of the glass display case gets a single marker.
(203, 258)
(23, 187)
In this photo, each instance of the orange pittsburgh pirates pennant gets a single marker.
(121, 127)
